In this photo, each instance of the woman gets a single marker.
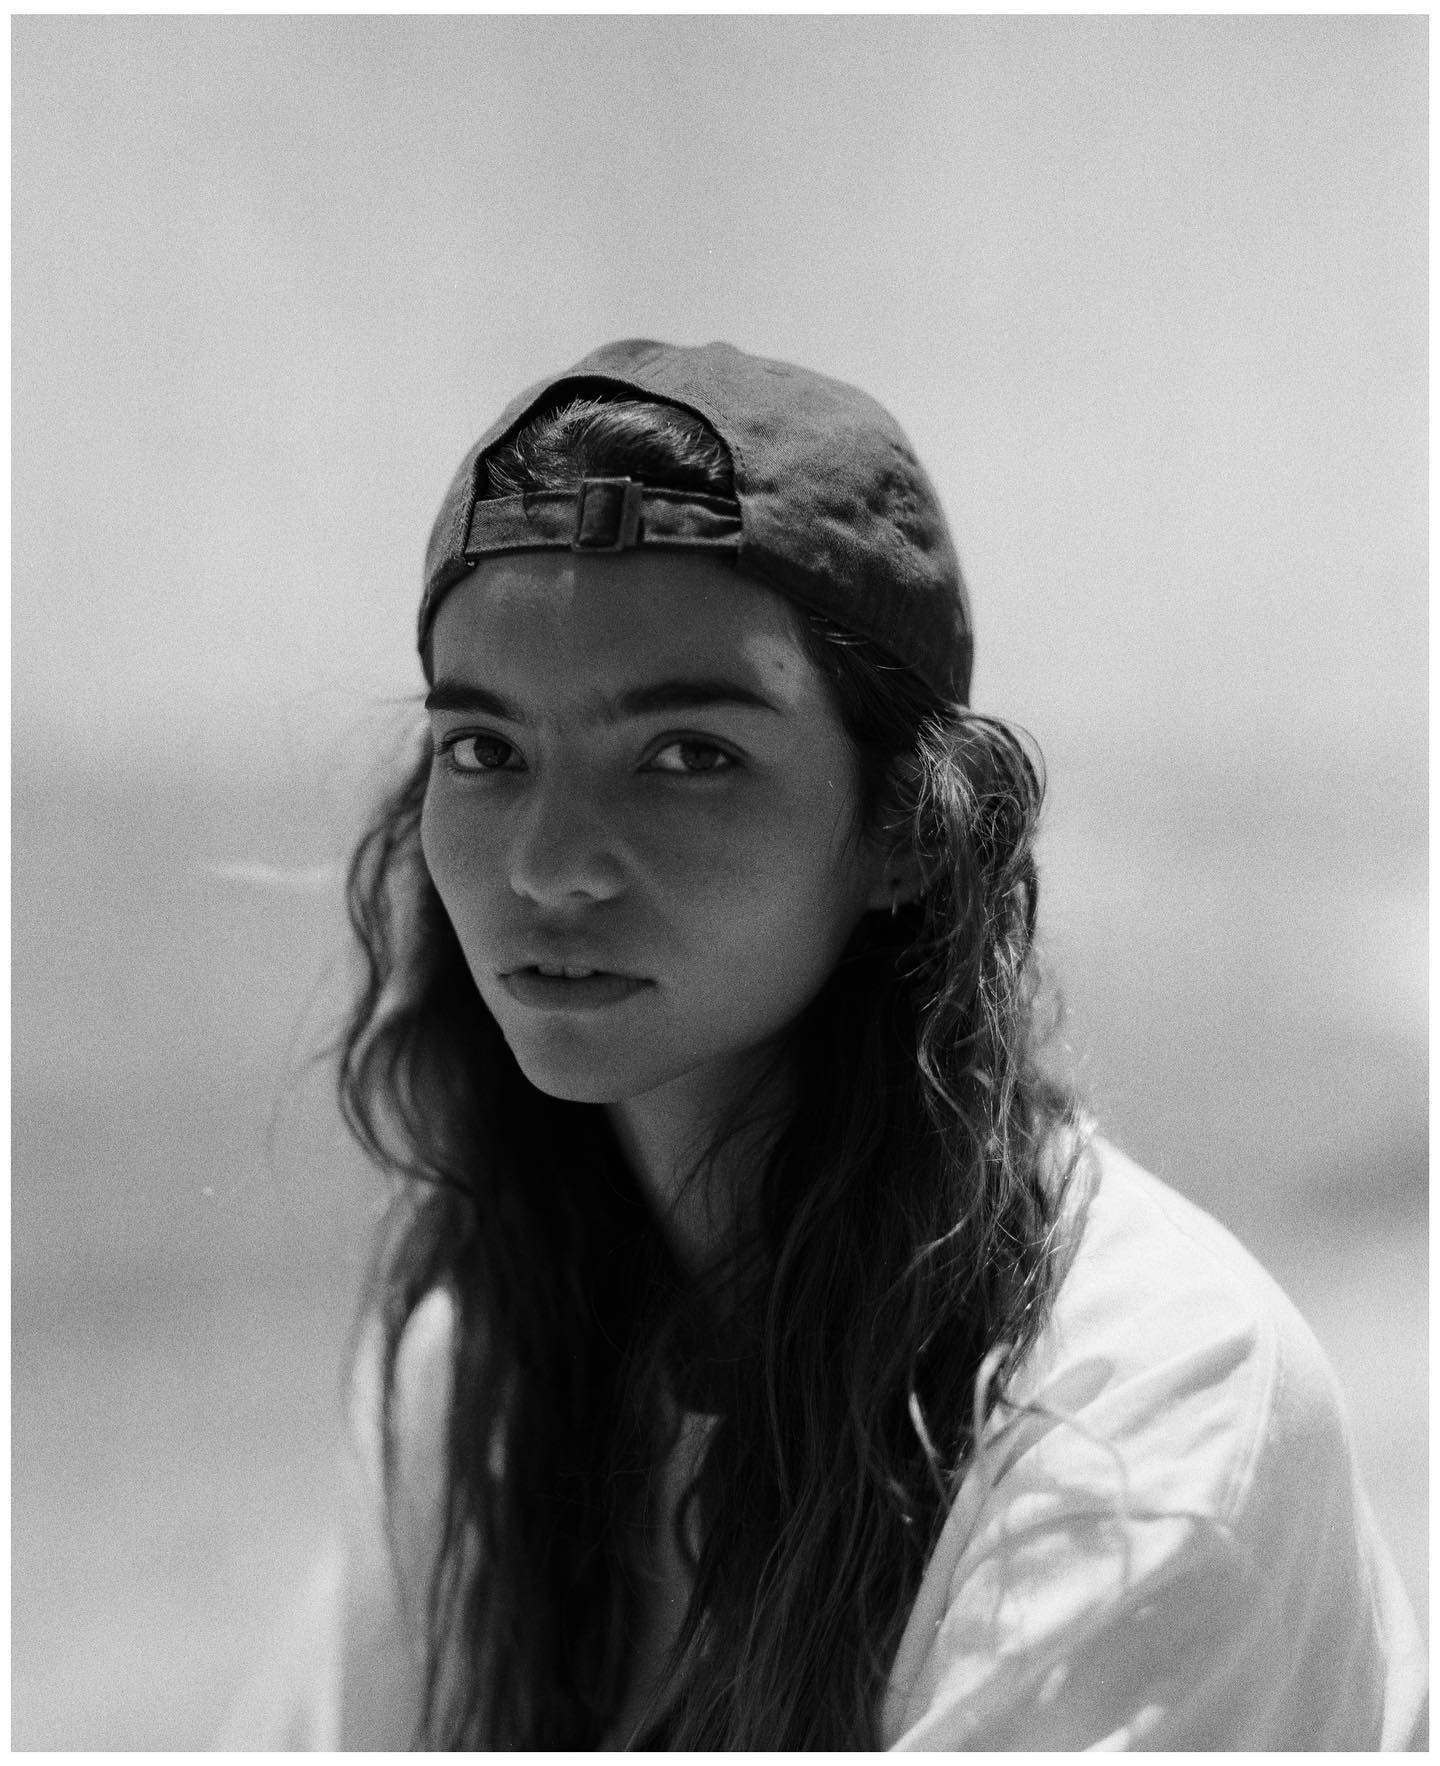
(761, 1352)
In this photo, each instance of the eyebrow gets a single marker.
(695, 694)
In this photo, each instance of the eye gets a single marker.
(691, 755)
(469, 755)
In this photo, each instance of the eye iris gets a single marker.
(700, 757)
(479, 753)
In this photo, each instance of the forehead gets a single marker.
(574, 619)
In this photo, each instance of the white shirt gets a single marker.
(1164, 1544)
(1169, 1548)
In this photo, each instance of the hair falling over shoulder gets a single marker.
(901, 1234)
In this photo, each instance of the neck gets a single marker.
(666, 1135)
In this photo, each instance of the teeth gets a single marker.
(570, 972)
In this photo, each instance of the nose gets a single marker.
(562, 849)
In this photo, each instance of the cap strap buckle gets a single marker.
(607, 515)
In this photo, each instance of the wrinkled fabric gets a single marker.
(1165, 1544)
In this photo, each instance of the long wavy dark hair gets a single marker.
(898, 1248)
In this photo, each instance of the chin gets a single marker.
(573, 1085)
(575, 1074)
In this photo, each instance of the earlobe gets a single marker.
(902, 875)
(901, 882)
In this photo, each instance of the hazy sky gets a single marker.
(1148, 294)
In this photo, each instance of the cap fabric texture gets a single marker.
(831, 508)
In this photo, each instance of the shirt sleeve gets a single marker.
(346, 1668)
(1165, 1545)
(1089, 1631)
(390, 1547)
(288, 1704)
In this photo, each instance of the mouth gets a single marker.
(551, 987)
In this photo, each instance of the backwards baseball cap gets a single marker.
(831, 509)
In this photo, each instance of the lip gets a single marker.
(562, 993)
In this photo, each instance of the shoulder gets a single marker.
(421, 1385)
(406, 1507)
(393, 1525)
(1168, 1336)
(1164, 1518)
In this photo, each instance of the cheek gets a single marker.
(782, 889)
(433, 843)
(452, 854)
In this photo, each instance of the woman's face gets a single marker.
(642, 816)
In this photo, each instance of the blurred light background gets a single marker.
(1149, 295)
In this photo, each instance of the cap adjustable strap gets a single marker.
(601, 515)
(607, 515)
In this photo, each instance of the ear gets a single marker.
(900, 877)
(900, 880)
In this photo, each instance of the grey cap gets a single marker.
(832, 509)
